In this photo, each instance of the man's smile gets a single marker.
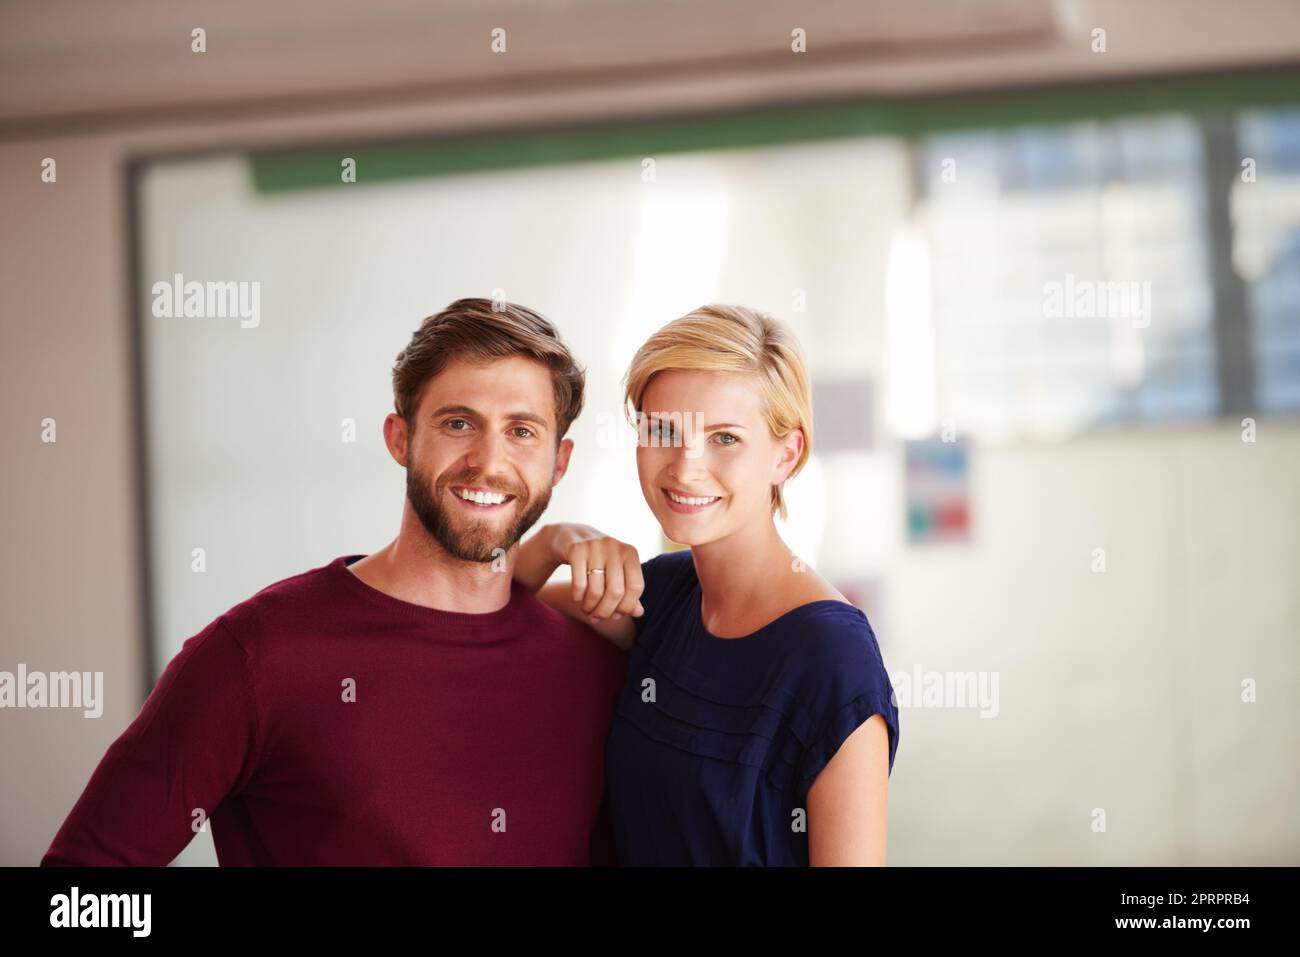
(480, 499)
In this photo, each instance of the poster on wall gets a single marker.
(938, 491)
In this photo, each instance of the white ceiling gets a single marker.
(81, 64)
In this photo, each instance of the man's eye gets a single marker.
(451, 423)
(527, 432)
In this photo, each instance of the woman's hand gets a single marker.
(607, 582)
(605, 592)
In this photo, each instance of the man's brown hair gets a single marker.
(472, 329)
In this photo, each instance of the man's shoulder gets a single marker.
(536, 612)
(556, 623)
(283, 602)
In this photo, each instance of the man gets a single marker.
(414, 706)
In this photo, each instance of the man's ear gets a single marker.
(396, 437)
(561, 461)
(791, 449)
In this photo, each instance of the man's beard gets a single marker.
(473, 541)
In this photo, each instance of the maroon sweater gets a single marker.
(472, 739)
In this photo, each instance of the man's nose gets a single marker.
(488, 453)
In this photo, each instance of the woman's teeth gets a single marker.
(691, 500)
(481, 498)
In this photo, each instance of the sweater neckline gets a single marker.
(478, 622)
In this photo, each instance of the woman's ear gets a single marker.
(791, 448)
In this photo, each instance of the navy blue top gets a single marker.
(716, 741)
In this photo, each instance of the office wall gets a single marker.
(1119, 690)
(70, 580)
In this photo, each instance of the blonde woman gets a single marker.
(756, 725)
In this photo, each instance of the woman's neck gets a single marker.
(738, 572)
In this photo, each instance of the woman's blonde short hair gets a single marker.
(718, 338)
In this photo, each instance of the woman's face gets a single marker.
(706, 458)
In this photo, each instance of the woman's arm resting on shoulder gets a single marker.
(621, 631)
(606, 584)
(537, 559)
(848, 802)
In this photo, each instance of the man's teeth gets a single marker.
(685, 500)
(481, 498)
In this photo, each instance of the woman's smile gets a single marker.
(685, 503)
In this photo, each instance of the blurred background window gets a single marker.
(1016, 217)
(1266, 251)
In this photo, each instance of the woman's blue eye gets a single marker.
(727, 435)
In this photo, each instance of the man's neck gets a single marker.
(415, 568)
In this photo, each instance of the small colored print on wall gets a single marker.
(938, 491)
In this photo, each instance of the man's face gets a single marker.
(481, 455)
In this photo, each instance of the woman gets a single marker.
(757, 724)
